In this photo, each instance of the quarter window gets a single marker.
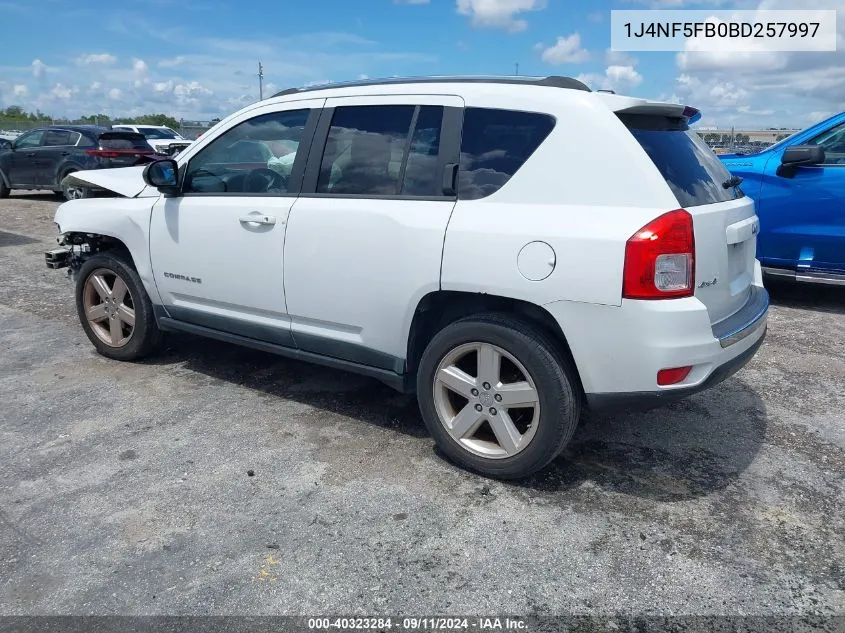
(253, 158)
(495, 144)
(382, 151)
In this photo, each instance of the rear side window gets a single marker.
(693, 172)
(382, 151)
(54, 138)
(495, 144)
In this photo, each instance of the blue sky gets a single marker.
(198, 58)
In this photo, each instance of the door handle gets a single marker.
(257, 219)
(65, 153)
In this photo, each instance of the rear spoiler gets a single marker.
(631, 105)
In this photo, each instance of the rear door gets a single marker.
(55, 149)
(724, 219)
(365, 237)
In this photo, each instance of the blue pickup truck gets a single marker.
(798, 185)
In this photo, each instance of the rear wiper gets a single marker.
(733, 181)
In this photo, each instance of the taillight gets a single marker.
(660, 259)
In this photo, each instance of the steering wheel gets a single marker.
(264, 180)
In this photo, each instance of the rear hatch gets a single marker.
(122, 149)
(724, 220)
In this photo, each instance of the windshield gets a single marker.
(693, 172)
(158, 133)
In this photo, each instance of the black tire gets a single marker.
(554, 378)
(4, 190)
(145, 336)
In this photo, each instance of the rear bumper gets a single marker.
(644, 400)
(618, 350)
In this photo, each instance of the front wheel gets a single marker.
(114, 308)
(496, 396)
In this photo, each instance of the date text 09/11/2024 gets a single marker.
(418, 624)
(722, 29)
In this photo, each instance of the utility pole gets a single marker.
(260, 82)
(517, 69)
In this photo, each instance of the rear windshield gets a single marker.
(157, 133)
(123, 140)
(691, 169)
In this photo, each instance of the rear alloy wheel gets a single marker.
(496, 397)
(114, 308)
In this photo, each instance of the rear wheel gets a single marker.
(114, 308)
(496, 396)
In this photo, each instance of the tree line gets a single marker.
(15, 113)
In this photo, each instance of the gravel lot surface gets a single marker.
(125, 488)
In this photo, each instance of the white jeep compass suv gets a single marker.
(512, 249)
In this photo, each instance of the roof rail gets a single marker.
(553, 81)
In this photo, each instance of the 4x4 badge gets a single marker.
(707, 284)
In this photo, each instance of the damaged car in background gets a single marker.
(46, 158)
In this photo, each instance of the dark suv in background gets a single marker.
(41, 158)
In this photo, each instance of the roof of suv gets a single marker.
(552, 81)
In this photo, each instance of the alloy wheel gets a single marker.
(109, 307)
(486, 400)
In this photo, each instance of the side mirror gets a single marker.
(802, 155)
(163, 175)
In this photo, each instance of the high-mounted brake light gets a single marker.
(660, 259)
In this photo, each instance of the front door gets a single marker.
(217, 249)
(23, 161)
(805, 213)
(365, 237)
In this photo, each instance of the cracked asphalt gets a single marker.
(125, 487)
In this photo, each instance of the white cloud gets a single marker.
(38, 68)
(567, 50)
(62, 92)
(616, 78)
(172, 62)
(20, 90)
(141, 71)
(95, 58)
(619, 58)
(164, 86)
(210, 77)
(500, 14)
(739, 87)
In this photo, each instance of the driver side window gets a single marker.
(253, 158)
(833, 143)
(30, 139)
